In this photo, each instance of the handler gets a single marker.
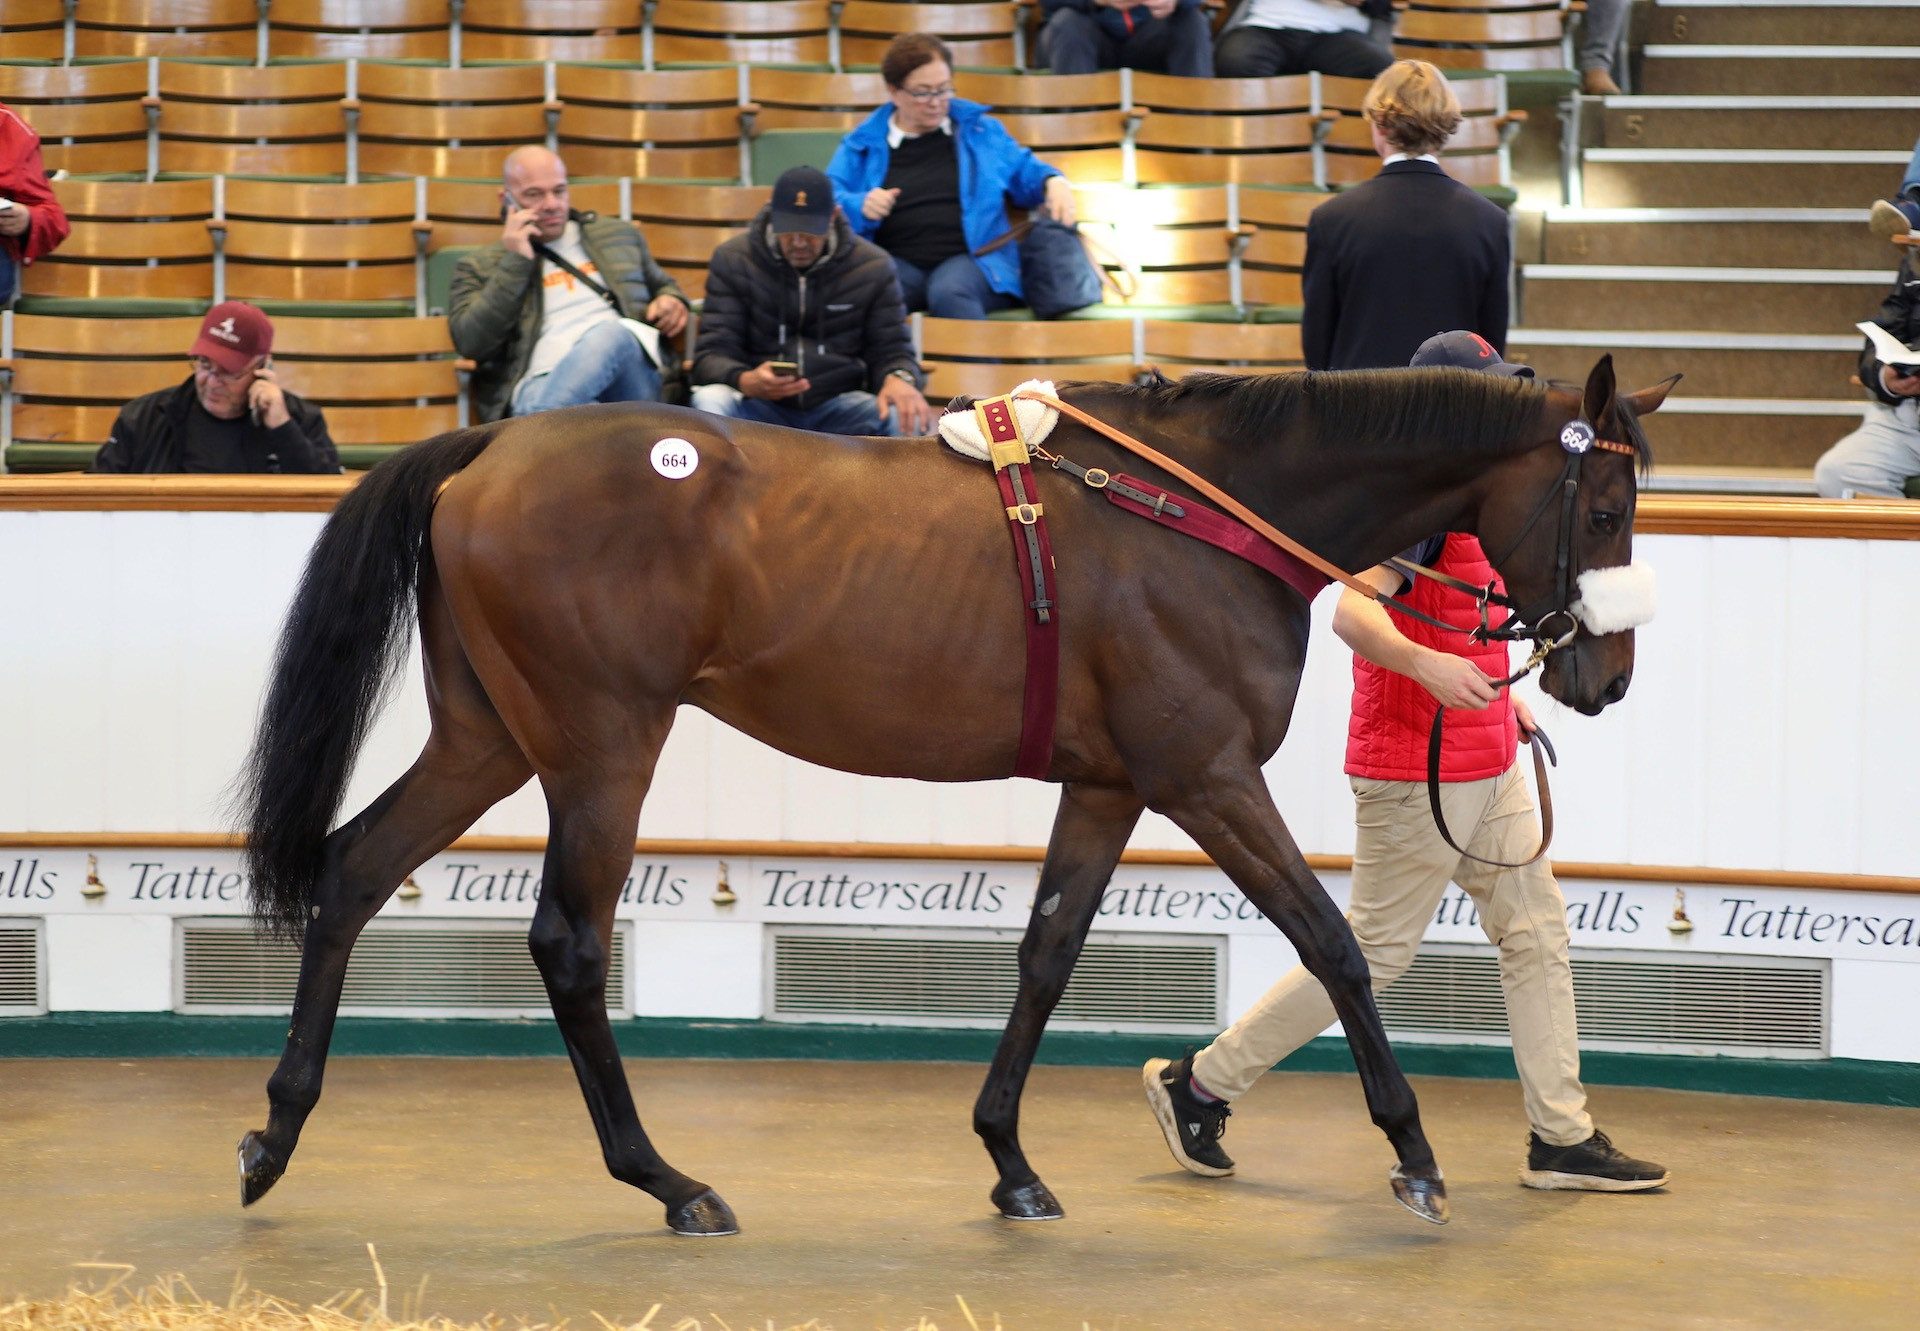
(1402, 865)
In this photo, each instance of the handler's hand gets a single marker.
(763, 383)
(1454, 681)
(668, 314)
(878, 203)
(1524, 715)
(916, 417)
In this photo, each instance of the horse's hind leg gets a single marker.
(1089, 832)
(589, 857)
(1237, 824)
(469, 763)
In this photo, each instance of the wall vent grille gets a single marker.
(23, 971)
(1649, 1002)
(968, 978)
(413, 968)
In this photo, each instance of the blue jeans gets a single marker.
(1911, 185)
(9, 274)
(852, 412)
(956, 289)
(605, 365)
(1073, 42)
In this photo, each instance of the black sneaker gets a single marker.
(1593, 1165)
(1191, 1126)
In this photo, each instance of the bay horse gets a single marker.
(850, 601)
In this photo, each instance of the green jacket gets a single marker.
(494, 307)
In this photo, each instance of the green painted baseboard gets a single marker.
(165, 1034)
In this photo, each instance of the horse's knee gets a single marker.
(571, 961)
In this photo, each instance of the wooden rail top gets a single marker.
(1659, 514)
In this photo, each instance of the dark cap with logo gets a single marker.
(233, 335)
(802, 201)
(1465, 351)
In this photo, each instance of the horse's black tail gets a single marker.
(344, 640)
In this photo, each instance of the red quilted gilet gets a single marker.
(1392, 715)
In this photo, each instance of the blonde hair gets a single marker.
(1413, 106)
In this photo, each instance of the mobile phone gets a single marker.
(783, 369)
(253, 408)
(6, 205)
(507, 204)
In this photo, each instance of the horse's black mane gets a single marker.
(1373, 411)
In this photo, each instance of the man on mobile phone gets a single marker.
(32, 222)
(231, 415)
(567, 307)
(804, 324)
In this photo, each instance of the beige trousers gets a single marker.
(1401, 868)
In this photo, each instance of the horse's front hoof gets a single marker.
(260, 1169)
(1027, 1201)
(1425, 1197)
(703, 1217)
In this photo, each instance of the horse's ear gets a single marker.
(1650, 399)
(1598, 399)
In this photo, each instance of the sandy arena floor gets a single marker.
(862, 1194)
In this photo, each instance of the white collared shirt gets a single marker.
(1402, 157)
(1306, 16)
(897, 136)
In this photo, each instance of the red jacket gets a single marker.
(1392, 716)
(24, 180)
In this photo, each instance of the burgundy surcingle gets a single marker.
(1392, 716)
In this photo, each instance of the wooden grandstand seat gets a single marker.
(631, 122)
(1458, 38)
(1179, 241)
(1476, 155)
(791, 32)
(1073, 121)
(1270, 266)
(967, 356)
(551, 30)
(1178, 348)
(90, 118)
(424, 121)
(684, 224)
(378, 29)
(383, 383)
(467, 212)
(287, 120)
(986, 33)
(810, 99)
(68, 378)
(1254, 131)
(366, 251)
(136, 248)
(226, 29)
(33, 29)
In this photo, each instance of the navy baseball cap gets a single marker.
(802, 201)
(1465, 351)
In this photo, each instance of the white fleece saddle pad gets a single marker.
(961, 429)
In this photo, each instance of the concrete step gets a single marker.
(1737, 300)
(1738, 177)
(1714, 237)
(1736, 22)
(1716, 365)
(1729, 432)
(1683, 479)
(1802, 71)
(1758, 122)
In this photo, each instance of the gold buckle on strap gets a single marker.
(1026, 514)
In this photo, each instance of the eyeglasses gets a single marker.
(201, 365)
(929, 94)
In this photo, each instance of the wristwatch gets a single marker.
(907, 375)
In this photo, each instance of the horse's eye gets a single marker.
(1604, 522)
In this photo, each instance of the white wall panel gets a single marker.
(1822, 726)
(1884, 676)
(1666, 797)
(109, 963)
(1745, 728)
(1873, 1006)
(709, 970)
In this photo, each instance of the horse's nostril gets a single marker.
(1615, 691)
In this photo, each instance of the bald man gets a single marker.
(549, 313)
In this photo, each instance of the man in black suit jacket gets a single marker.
(1410, 253)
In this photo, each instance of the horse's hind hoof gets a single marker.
(1425, 1197)
(260, 1169)
(703, 1217)
(1027, 1201)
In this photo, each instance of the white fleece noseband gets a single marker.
(1613, 600)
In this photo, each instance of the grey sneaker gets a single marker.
(1191, 1126)
(1593, 1165)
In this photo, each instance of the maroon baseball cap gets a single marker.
(233, 335)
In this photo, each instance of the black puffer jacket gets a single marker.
(1899, 315)
(842, 320)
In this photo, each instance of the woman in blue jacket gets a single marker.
(926, 178)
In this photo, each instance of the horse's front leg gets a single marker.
(1089, 832)
(1237, 824)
